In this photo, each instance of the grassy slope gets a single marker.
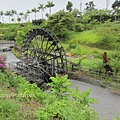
(92, 55)
(89, 36)
(84, 39)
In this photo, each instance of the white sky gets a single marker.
(24, 5)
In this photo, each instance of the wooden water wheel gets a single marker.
(42, 56)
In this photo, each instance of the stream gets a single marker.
(108, 103)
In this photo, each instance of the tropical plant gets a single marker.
(34, 10)
(76, 12)
(60, 86)
(90, 5)
(12, 19)
(8, 13)
(65, 103)
(18, 19)
(41, 7)
(28, 12)
(69, 6)
(59, 22)
(49, 5)
(25, 16)
(116, 4)
(21, 14)
(1, 15)
(13, 13)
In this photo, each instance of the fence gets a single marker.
(72, 67)
(97, 73)
(4, 43)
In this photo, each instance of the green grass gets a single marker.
(90, 57)
(86, 50)
(89, 36)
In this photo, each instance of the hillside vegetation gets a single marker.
(85, 47)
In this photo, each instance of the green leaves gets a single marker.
(7, 109)
(60, 85)
(60, 22)
(66, 103)
(62, 102)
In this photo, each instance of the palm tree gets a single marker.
(8, 13)
(21, 14)
(18, 19)
(35, 11)
(1, 15)
(13, 12)
(25, 16)
(28, 12)
(50, 5)
(12, 19)
(41, 7)
(90, 6)
(47, 15)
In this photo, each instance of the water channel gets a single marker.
(108, 103)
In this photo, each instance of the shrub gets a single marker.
(78, 27)
(108, 38)
(72, 43)
(8, 109)
(2, 63)
(10, 35)
(66, 103)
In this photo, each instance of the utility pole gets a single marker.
(107, 4)
(81, 6)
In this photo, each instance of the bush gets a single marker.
(8, 109)
(108, 38)
(2, 63)
(66, 103)
(78, 27)
(10, 35)
(72, 43)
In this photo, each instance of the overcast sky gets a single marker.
(24, 5)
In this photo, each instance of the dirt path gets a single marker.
(108, 104)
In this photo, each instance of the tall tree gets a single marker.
(21, 14)
(116, 4)
(13, 13)
(49, 5)
(18, 19)
(76, 12)
(1, 15)
(12, 19)
(8, 13)
(25, 16)
(34, 10)
(28, 12)
(69, 6)
(116, 9)
(90, 5)
(41, 7)
(59, 22)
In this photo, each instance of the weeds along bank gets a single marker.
(22, 100)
